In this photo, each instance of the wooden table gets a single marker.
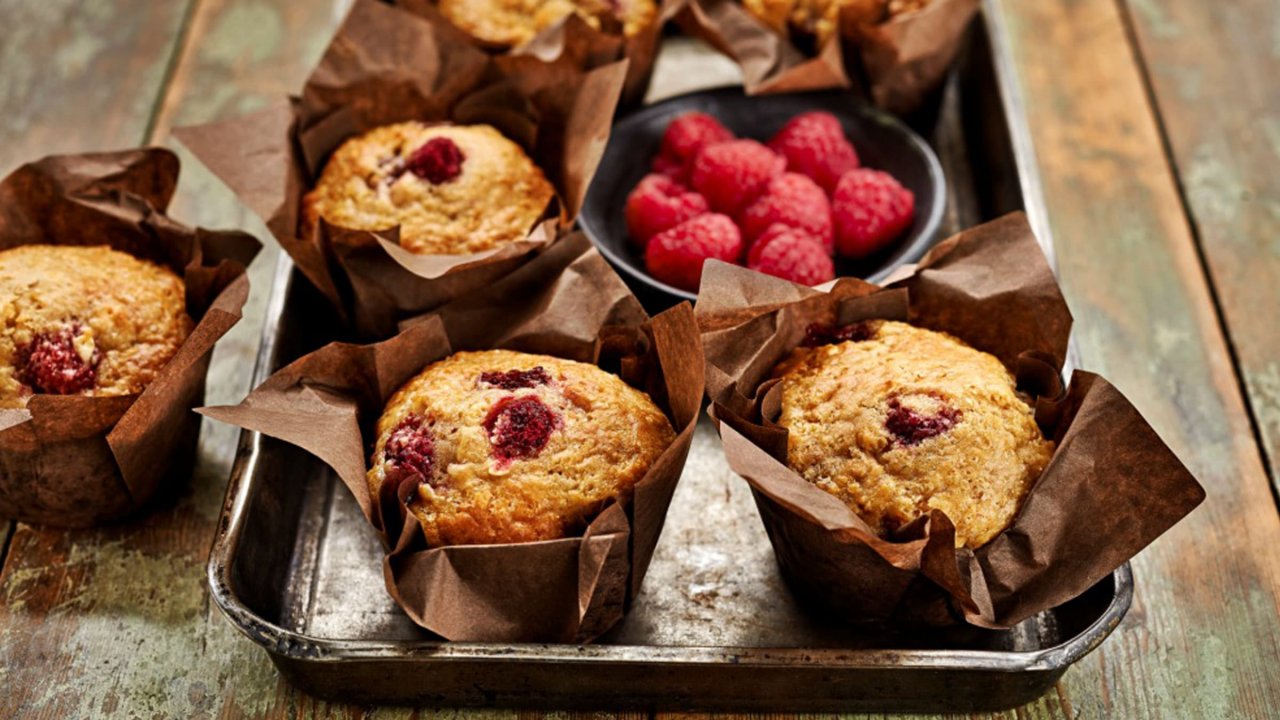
(1157, 127)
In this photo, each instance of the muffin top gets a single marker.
(85, 321)
(509, 23)
(896, 421)
(824, 18)
(452, 189)
(512, 447)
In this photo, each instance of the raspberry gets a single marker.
(412, 446)
(869, 208)
(516, 379)
(659, 203)
(51, 364)
(688, 134)
(817, 334)
(794, 200)
(675, 256)
(791, 254)
(731, 174)
(674, 169)
(911, 427)
(438, 161)
(519, 427)
(814, 144)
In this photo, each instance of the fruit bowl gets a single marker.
(882, 141)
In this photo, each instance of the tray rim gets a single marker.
(291, 645)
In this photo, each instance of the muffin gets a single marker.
(510, 447)
(823, 18)
(452, 189)
(85, 321)
(895, 421)
(508, 23)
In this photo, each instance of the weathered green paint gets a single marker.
(1226, 140)
(123, 621)
(81, 75)
(98, 67)
(1202, 639)
(118, 621)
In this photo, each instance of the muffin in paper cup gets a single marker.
(585, 42)
(566, 303)
(897, 59)
(387, 66)
(77, 459)
(1110, 487)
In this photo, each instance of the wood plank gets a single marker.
(1202, 638)
(82, 76)
(64, 62)
(1052, 705)
(122, 614)
(1212, 68)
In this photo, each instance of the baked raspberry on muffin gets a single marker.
(87, 321)
(513, 447)
(508, 23)
(452, 189)
(895, 421)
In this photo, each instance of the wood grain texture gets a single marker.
(118, 621)
(77, 77)
(82, 75)
(63, 63)
(1202, 639)
(1213, 69)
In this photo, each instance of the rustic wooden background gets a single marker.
(1157, 127)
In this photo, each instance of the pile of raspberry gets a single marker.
(784, 209)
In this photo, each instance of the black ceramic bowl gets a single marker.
(881, 140)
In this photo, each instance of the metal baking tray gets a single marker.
(297, 569)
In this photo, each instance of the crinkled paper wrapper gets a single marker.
(73, 460)
(1111, 487)
(386, 65)
(567, 303)
(575, 42)
(898, 63)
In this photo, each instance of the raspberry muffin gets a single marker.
(452, 189)
(508, 23)
(85, 321)
(896, 421)
(824, 17)
(510, 447)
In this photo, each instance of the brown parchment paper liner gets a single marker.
(897, 63)
(76, 461)
(582, 46)
(386, 65)
(1111, 487)
(569, 303)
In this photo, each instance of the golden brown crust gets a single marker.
(823, 17)
(603, 437)
(509, 23)
(910, 420)
(496, 198)
(120, 318)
